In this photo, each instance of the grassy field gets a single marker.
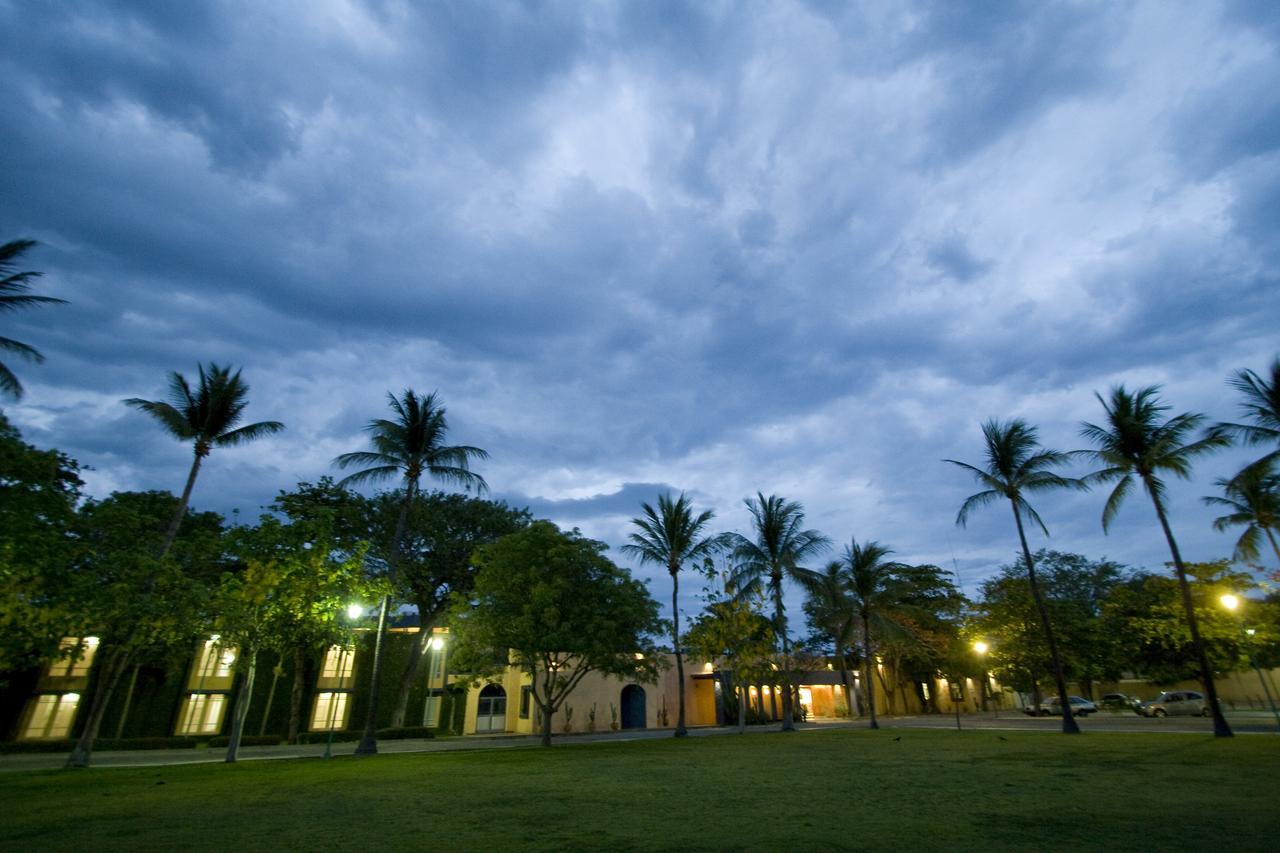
(850, 789)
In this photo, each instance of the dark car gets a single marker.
(1120, 702)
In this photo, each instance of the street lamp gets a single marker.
(354, 611)
(1232, 603)
(981, 647)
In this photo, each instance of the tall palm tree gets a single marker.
(781, 544)
(407, 446)
(207, 417)
(672, 536)
(1016, 465)
(1253, 496)
(13, 296)
(872, 580)
(1137, 444)
(1261, 405)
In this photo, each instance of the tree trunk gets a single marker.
(295, 695)
(172, 533)
(869, 664)
(271, 694)
(128, 701)
(1220, 727)
(412, 667)
(546, 726)
(742, 707)
(845, 681)
(780, 618)
(681, 731)
(241, 711)
(1069, 726)
(369, 740)
(115, 665)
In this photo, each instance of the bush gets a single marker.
(321, 737)
(246, 740)
(407, 733)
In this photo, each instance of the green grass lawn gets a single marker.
(931, 790)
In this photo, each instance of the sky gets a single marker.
(796, 248)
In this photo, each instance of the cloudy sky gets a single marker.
(798, 248)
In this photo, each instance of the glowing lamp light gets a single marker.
(1250, 631)
(980, 647)
(1229, 601)
(437, 643)
(707, 667)
(354, 611)
(91, 641)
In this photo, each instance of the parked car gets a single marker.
(1175, 703)
(1080, 707)
(1120, 702)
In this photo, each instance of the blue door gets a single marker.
(633, 707)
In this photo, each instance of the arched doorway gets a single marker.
(491, 716)
(633, 707)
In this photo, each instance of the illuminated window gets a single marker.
(330, 711)
(52, 716)
(339, 663)
(215, 660)
(75, 657)
(202, 714)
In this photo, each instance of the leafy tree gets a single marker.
(442, 533)
(1146, 616)
(1253, 498)
(560, 610)
(1006, 617)
(1138, 445)
(927, 613)
(139, 604)
(1261, 405)
(208, 418)
(13, 297)
(781, 544)
(39, 490)
(672, 536)
(289, 595)
(733, 633)
(407, 446)
(1016, 465)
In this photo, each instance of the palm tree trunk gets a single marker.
(742, 706)
(681, 731)
(113, 667)
(172, 533)
(295, 694)
(869, 662)
(1069, 725)
(128, 701)
(780, 619)
(1274, 547)
(241, 711)
(271, 694)
(1220, 727)
(369, 740)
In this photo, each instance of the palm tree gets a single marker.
(873, 581)
(1253, 496)
(13, 296)
(672, 537)
(207, 417)
(1137, 444)
(780, 545)
(831, 609)
(407, 446)
(1261, 405)
(1017, 464)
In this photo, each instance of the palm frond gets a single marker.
(1114, 500)
(248, 433)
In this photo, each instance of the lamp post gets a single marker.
(981, 647)
(353, 612)
(1232, 603)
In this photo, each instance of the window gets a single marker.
(202, 714)
(431, 710)
(75, 657)
(215, 660)
(526, 695)
(437, 664)
(339, 664)
(52, 716)
(330, 711)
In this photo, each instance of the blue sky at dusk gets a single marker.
(794, 247)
